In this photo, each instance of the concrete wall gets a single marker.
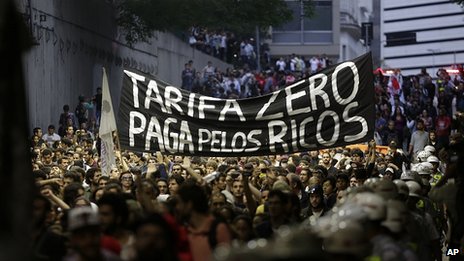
(74, 39)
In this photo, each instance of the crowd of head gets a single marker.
(393, 202)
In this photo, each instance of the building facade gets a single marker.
(334, 30)
(421, 33)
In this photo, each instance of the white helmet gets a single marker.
(372, 204)
(349, 238)
(396, 216)
(423, 155)
(433, 159)
(386, 189)
(409, 175)
(414, 188)
(402, 187)
(430, 149)
(424, 168)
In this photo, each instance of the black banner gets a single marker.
(332, 108)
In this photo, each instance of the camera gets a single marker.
(247, 170)
(235, 174)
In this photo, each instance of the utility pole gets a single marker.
(367, 33)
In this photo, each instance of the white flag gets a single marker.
(107, 126)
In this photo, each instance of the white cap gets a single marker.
(390, 169)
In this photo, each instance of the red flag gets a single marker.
(395, 83)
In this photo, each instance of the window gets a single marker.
(401, 38)
(321, 21)
(317, 29)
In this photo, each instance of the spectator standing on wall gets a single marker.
(82, 110)
(188, 75)
(98, 105)
(280, 64)
(67, 118)
(314, 64)
(208, 70)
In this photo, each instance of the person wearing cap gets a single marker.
(50, 137)
(389, 173)
(357, 156)
(436, 173)
(397, 155)
(316, 207)
(419, 139)
(85, 236)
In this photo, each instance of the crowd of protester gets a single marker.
(348, 203)
(245, 81)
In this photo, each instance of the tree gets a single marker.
(140, 18)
